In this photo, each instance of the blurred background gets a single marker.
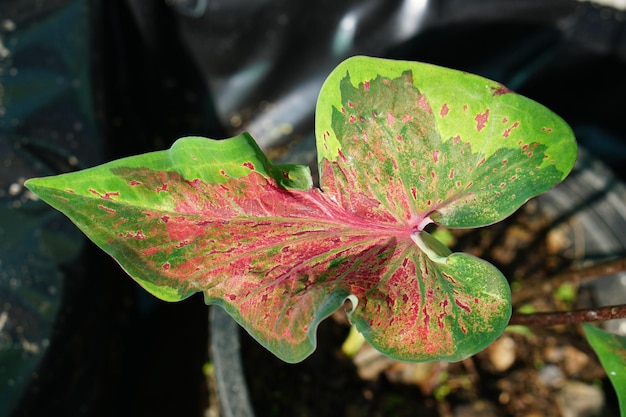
(84, 82)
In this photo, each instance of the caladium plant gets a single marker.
(401, 145)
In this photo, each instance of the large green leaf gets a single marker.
(280, 255)
(611, 349)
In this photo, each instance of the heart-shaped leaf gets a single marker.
(398, 149)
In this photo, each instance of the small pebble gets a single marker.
(577, 399)
(502, 353)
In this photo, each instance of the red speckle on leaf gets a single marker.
(451, 175)
(504, 120)
(422, 178)
(366, 85)
(70, 191)
(163, 187)
(414, 193)
(351, 104)
(449, 278)
(432, 174)
(443, 305)
(422, 103)
(465, 107)
(196, 183)
(508, 130)
(444, 110)
(456, 139)
(463, 329)
(105, 196)
(137, 235)
(546, 129)
(231, 297)
(166, 266)
(498, 91)
(463, 306)
(436, 155)
(135, 182)
(352, 118)
(482, 161)
(426, 316)
(529, 154)
(525, 147)
(407, 118)
(248, 165)
(481, 120)
(399, 137)
(107, 209)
